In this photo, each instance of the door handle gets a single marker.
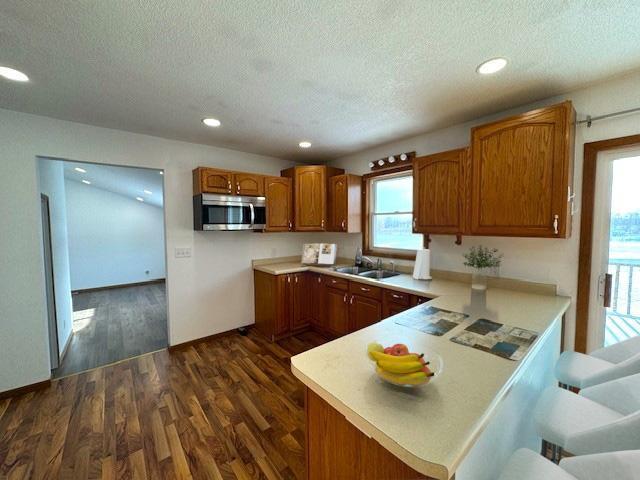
(253, 214)
(606, 303)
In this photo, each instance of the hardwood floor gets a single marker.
(226, 408)
(113, 324)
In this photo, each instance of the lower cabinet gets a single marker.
(290, 303)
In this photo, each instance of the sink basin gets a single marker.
(378, 274)
(352, 270)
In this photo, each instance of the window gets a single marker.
(391, 214)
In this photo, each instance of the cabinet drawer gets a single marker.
(335, 282)
(397, 297)
(364, 290)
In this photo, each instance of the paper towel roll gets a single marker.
(422, 267)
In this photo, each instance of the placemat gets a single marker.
(431, 320)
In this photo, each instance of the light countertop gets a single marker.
(431, 428)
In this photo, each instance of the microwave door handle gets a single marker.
(253, 214)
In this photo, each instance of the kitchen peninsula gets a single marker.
(465, 423)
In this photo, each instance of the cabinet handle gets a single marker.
(289, 278)
(237, 188)
(319, 279)
(398, 296)
(365, 289)
(334, 281)
(351, 301)
(322, 223)
(290, 225)
(555, 224)
(344, 299)
(229, 185)
(296, 277)
(414, 224)
(343, 225)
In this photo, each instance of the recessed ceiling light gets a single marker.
(86, 181)
(305, 144)
(81, 170)
(491, 66)
(148, 192)
(140, 199)
(11, 74)
(211, 122)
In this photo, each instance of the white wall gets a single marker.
(113, 239)
(208, 293)
(544, 260)
(51, 177)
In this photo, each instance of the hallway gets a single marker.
(114, 324)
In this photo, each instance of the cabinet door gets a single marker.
(315, 287)
(417, 300)
(300, 301)
(363, 311)
(279, 207)
(212, 180)
(439, 191)
(336, 311)
(310, 198)
(283, 309)
(248, 184)
(522, 174)
(344, 203)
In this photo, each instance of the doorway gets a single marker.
(615, 297)
(107, 260)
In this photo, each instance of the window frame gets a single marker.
(368, 200)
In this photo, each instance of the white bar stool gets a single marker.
(579, 370)
(527, 465)
(602, 418)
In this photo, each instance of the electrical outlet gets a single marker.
(182, 252)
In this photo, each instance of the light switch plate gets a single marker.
(182, 252)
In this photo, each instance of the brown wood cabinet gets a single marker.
(281, 304)
(363, 311)
(310, 185)
(337, 449)
(345, 203)
(439, 192)
(336, 311)
(279, 204)
(214, 180)
(316, 300)
(522, 174)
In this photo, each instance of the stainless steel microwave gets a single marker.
(228, 212)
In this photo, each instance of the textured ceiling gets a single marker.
(345, 75)
(127, 181)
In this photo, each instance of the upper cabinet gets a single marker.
(213, 180)
(345, 203)
(279, 204)
(522, 174)
(310, 195)
(439, 192)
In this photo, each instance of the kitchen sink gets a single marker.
(352, 270)
(378, 274)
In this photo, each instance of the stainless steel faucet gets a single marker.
(367, 262)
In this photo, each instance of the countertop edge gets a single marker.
(432, 470)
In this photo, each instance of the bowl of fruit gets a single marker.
(398, 366)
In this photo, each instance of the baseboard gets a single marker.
(182, 346)
(122, 285)
(26, 389)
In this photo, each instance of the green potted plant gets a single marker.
(483, 260)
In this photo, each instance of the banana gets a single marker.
(400, 367)
(416, 378)
(378, 356)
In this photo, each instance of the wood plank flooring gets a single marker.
(227, 408)
(113, 324)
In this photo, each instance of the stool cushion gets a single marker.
(575, 369)
(527, 465)
(559, 414)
